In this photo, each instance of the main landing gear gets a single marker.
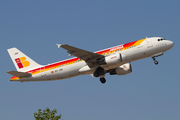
(100, 73)
(103, 80)
(155, 61)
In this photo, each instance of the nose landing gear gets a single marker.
(155, 61)
(156, 55)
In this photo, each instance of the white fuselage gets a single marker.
(148, 48)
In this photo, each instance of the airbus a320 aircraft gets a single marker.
(115, 61)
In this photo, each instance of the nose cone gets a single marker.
(170, 44)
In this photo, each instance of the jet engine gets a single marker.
(122, 70)
(112, 59)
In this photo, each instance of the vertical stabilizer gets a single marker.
(22, 62)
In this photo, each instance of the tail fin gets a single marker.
(22, 62)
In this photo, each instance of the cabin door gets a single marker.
(149, 43)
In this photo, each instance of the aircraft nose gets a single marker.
(170, 44)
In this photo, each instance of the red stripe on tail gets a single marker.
(18, 61)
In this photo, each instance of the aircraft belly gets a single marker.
(36, 77)
(134, 54)
(68, 71)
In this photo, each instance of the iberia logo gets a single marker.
(21, 62)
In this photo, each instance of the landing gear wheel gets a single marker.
(156, 62)
(96, 74)
(103, 80)
(99, 71)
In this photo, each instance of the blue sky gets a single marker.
(150, 92)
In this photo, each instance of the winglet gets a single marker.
(59, 45)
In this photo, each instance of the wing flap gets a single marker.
(19, 74)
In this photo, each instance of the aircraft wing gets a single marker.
(89, 57)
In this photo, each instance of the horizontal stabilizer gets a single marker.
(19, 74)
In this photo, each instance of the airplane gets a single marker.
(115, 61)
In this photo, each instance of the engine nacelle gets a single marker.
(122, 70)
(113, 59)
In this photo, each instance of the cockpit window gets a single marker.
(161, 39)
